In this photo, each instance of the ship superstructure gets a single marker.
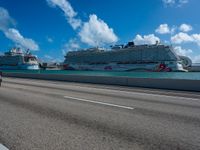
(128, 57)
(16, 59)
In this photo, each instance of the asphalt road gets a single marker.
(50, 115)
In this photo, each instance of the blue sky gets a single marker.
(52, 27)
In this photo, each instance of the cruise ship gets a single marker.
(129, 57)
(16, 59)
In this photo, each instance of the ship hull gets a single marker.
(153, 67)
(20, 67)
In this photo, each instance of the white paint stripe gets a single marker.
(139, 93)
(97, 102)
(3, 147)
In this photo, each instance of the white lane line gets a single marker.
(97, 102)
(3, 147)
(172, 97)
(138, 93)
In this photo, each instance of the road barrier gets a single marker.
(172, 84)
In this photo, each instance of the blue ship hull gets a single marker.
(20, 67)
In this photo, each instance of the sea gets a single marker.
(164, 75)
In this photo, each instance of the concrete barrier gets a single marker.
(174, 84)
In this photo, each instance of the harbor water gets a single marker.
(166, 75)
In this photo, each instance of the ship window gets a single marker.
(27, 59)
(32, 59)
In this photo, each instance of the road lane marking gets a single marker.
(97, 102)
(139, 93)
(3, 147)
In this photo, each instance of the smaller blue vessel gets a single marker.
(16, 59)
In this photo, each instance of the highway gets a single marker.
(53, 115)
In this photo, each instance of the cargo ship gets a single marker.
(16, 59)
(129, 57)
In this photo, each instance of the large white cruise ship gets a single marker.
(16, 59)
(130, 57)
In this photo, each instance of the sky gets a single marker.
(50, 28)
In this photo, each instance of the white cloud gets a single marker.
(49, 39)
(68, 10)
(48, 57)
(13, 34)
(183, 1)
(186, 38)
(96, 32)
(196, 59)
(196, 38)
(181, 38)
(169, 2)
(5, 20)
(177, 3)
(51, 59)
(16, 37)
(173, 29)
(146, 39)
(182, 52)
(185, 28)
(163, 29)
(72, 45)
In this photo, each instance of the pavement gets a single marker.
(53, 115)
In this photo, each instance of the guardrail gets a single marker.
(173, 84)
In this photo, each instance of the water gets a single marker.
(168, 75)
